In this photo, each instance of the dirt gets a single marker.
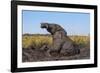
(34, 55)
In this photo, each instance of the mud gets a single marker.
(35, 55)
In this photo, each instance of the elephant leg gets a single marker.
(54, 51)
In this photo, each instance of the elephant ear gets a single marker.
(58, 28)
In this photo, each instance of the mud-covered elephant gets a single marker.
(62, 44)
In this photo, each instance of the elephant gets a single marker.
(62, 44)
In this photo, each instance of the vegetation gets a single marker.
(35, 41)
(81, 40)
(38, 41)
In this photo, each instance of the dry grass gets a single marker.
(35, 41)
(38, 41)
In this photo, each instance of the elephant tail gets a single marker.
(77, 50)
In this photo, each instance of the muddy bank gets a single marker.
(34, 55)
